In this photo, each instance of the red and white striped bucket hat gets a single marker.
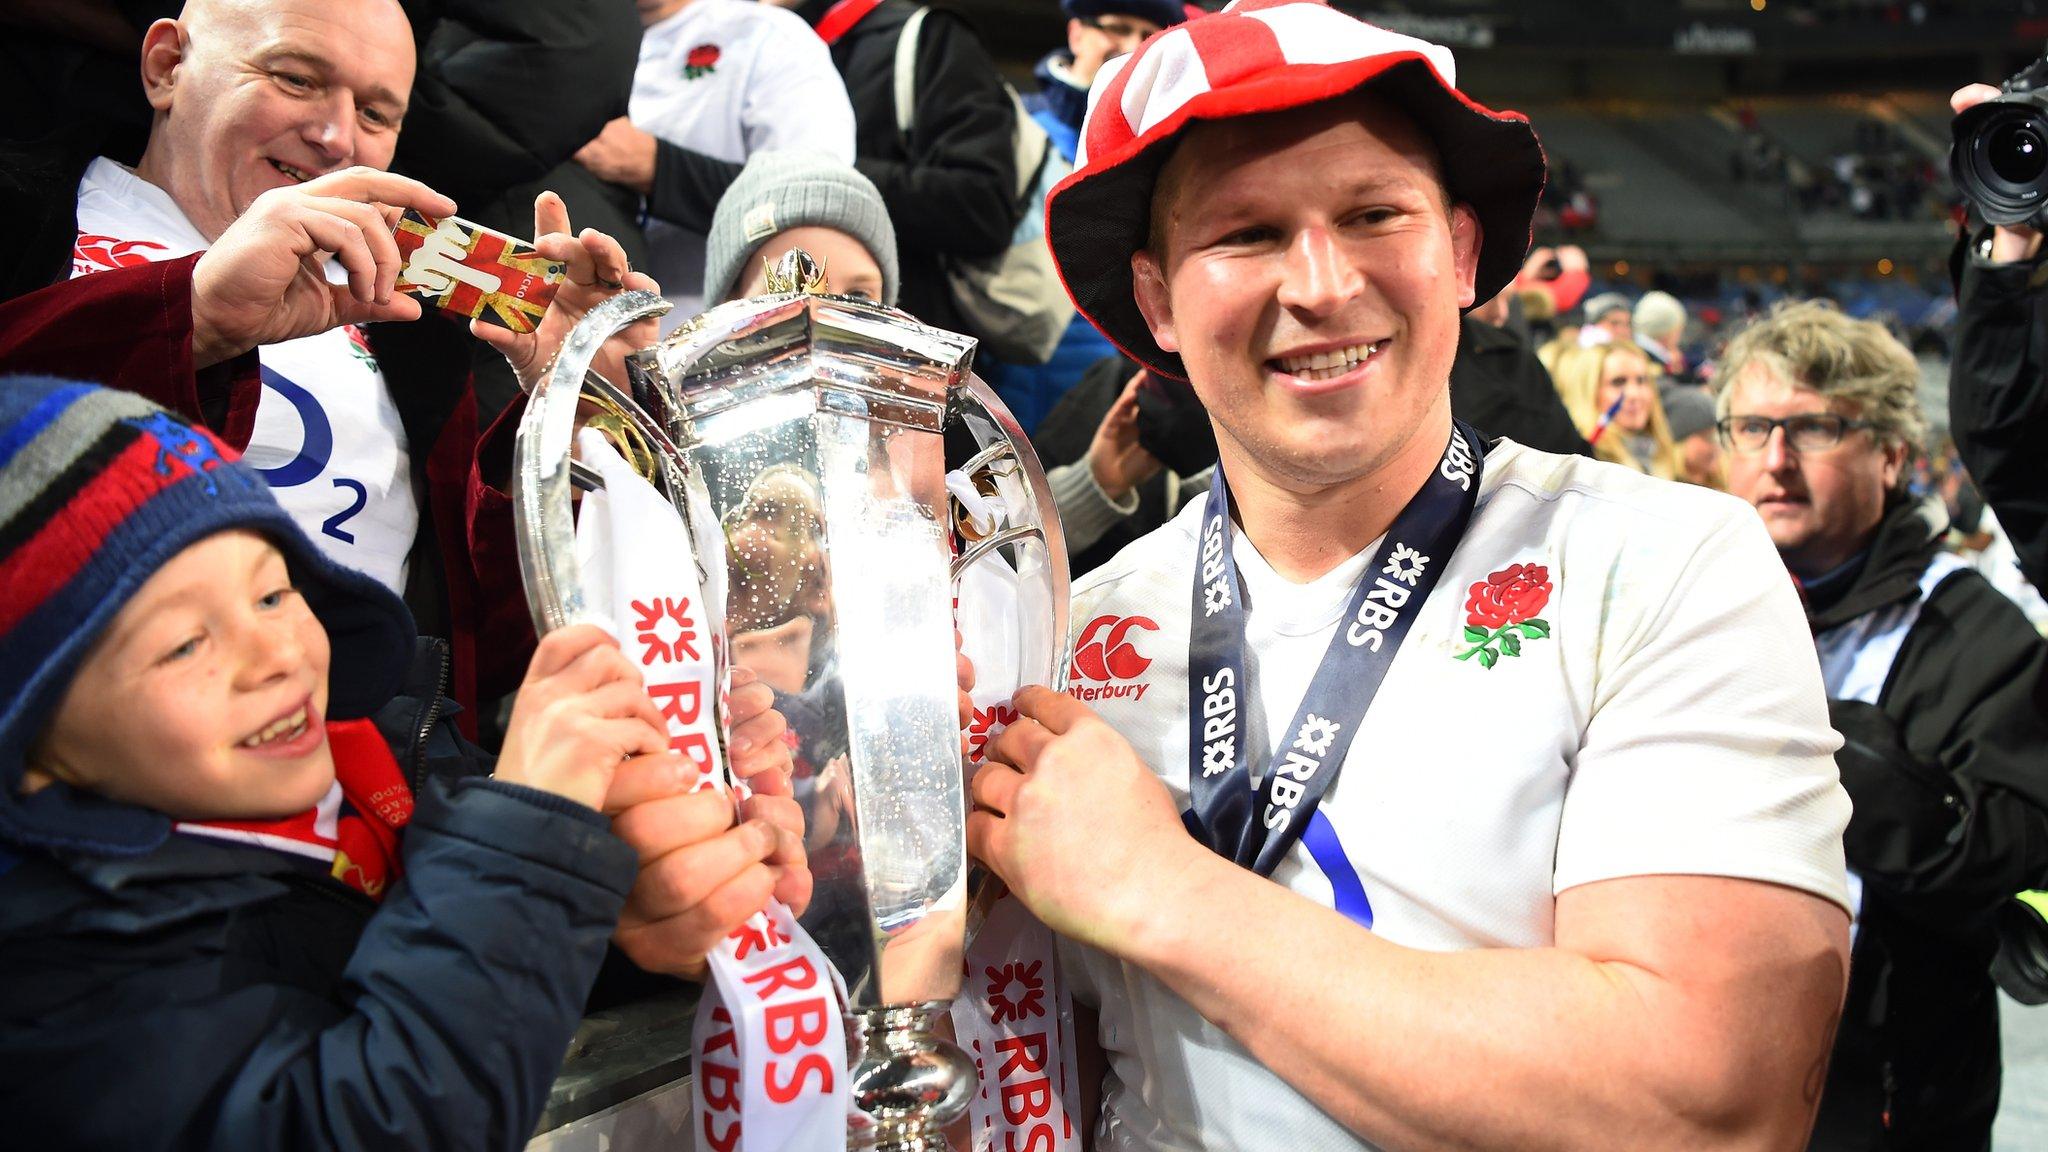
(1268, 56)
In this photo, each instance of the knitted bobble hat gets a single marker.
(98, 490)
(778, 191)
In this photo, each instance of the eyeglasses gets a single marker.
(1808, 432)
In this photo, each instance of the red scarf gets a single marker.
(841, 17)
(354, 828)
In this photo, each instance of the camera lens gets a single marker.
(2000, 158)
(2016, 152)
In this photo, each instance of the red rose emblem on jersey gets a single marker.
(701, 59)
(1509, 596)
(1502, 610)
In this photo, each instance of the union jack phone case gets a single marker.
(468, 270)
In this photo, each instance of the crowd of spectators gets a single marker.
(1568, 206)
(1874, 174)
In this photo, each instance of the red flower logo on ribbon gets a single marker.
(986, 725)
(702, 59)
(760, 934)
(652, 626)
(1030, 992)
(1501, 612)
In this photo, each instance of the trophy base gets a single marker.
(882, 1138)
(910, 1082)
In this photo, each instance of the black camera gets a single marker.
(2000, 159)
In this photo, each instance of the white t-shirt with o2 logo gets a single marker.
(1651, 704)
(327, 436)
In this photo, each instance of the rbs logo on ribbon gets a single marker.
(1106, 652)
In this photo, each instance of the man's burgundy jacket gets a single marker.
(131, 328)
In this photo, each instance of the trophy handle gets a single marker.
(1001, 446)
(542, 513)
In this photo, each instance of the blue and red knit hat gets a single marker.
(98, 490)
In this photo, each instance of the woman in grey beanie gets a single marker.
(785, 200)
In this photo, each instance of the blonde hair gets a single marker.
(1856, 362)
(1567, 337)
(1537, 305)
(1577, 376)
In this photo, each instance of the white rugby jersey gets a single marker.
(730, 78)
(327, 436)
(1663, 714)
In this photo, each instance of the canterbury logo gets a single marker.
(1104, 650)
(91, 253)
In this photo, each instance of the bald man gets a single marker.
(254, 100)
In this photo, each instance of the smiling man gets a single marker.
(1940, 687)
(249, 97)
(1481, 798)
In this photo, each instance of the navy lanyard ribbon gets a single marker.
(1257, 826)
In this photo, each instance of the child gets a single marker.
(254, 893)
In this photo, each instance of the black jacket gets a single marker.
(1063, 437)
(505, 93)
(69, 83)
(1950, 789)
(1499, 387)
(1998, 396)
(216, 995)
(951, 188)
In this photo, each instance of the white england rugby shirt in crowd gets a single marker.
(1672, 720)
(730, 78)
(327, 436)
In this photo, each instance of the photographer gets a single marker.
(1998, 387)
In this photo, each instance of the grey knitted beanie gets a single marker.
(1688, 410)
(778, 191)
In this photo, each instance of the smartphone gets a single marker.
(468, 270)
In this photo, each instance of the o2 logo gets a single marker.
(315, 449)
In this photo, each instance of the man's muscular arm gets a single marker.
(1675, 1007)
(1673, 1012)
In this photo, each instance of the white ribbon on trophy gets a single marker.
(769, 1048)
(1014, 1014)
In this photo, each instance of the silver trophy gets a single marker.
(817, 433)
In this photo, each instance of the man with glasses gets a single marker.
(1940, 689)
